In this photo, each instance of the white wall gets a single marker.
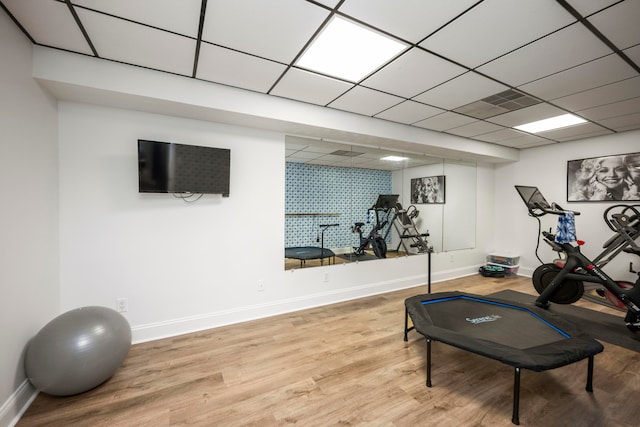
(170, 259)
(182, 266)
(546, 168)
(28, 217)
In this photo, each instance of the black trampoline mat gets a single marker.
(307, 252)
(602, 326)
(504, 324)
(520, 335)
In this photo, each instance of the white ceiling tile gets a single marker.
(587, 7)
(182, 17)
(586, 130)
(615, 109)
(309, 87)
(335, 158)
(564, 49)
(476, 128)
(302, 156)
(444, 121)
(263, 28)
(312, 145)
(495, 27)
(602, 132)
(607, 94)
(365, 101)
(460, 91)
(527, 115)
(411, 20)
(500, 135)
(413, 73)
(49, 23)
(132, 43)
(329, 3)
(600, 72)
(634, 54)
(237, 69)
(623, 123)
(524, 141)
(620, 23)
(409, 112)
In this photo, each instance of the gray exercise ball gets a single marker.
(77, 351)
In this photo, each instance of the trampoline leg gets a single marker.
(428, 362)
(589, 387)
(406, 324)
(429, 272)
(516, 396)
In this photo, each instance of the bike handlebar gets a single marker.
(554, 209)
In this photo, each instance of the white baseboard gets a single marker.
(17, 404)
(174, 327)
(455, 273)
(159, 330)
(525, 271)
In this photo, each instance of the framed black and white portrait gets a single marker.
(604, 178)
(430, 189)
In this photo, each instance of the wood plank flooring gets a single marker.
(343, 365)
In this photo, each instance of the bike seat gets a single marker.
(359, 224)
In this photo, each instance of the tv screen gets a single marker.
(165, 167)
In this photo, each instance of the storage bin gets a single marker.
(509, 270)
(503, 258)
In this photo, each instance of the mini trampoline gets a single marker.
(519, 335)
(304, 253)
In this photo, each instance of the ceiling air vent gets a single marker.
(500, 103)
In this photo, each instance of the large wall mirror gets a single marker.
(333, 203)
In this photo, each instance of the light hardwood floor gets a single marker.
(343, 365)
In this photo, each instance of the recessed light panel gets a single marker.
(348, 51)
(557, 122)
(394, 158)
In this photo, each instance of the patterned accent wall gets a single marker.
(326, 189)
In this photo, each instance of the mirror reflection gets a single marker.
(347, 203)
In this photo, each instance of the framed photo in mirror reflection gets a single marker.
(428, 190)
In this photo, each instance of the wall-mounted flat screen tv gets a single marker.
(166, 167)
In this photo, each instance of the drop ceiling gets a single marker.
(471, 68)
(330, 153)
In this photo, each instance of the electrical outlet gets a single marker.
(122, 305)
(260, 285)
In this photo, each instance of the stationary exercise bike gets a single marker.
(562, 282)
(375, 240)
